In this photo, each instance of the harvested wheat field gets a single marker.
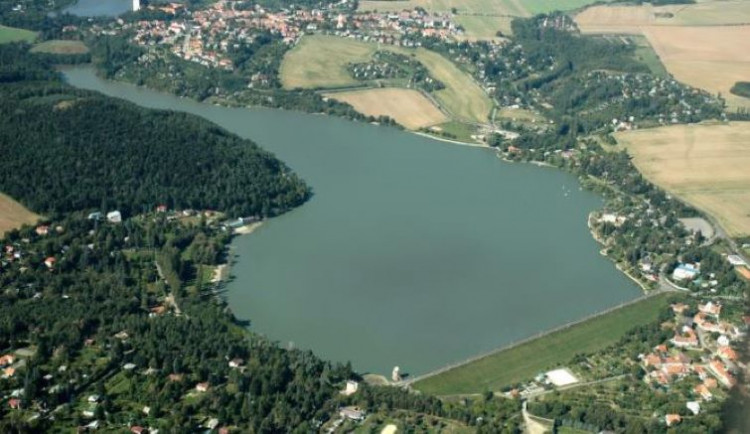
(14, 215)
(630, 19)
(61, 47)
(407, 106)
(707, 165)
(710, 58)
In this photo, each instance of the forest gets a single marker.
(68, 150)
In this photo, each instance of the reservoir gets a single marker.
(95, 8)
(412, 251)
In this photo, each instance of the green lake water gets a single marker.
(412, 252)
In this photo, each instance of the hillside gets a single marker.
(66, 150)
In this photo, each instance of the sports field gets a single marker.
(407, 106)
(13, 214)
(707, 165)
(710, 58)
(630, 19)
(12, 34)
(527, 360)
(320, 62)
(60, 47)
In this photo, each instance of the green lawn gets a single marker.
(525, 361)
(646, 54)
(12, 34)
(545, 6)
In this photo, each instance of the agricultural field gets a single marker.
(12, 34)
(407, 106)
(61, 47)
(709, 58)
(706, 165)
(320, 62)
(482, 28)
(463, 7)
(14, 215)
(529, 359)
(630, 19)
(645, 53)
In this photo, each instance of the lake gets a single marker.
(412, 252)
(94, 8)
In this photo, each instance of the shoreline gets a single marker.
(247, 229)
(455, 142)
(596, 238)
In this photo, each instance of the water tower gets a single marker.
(136, 5)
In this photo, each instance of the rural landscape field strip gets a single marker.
(320, 62)
(705, 165)
(407, 106)
(526, 360)
(13, 215)
(12, 34)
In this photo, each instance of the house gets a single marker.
(727, 354)
(14, 403)
(672, 419)
(212, 423)
(7, 359)
(694, 407)
(351, 388)
(352, 413)
(161, 208)
(680, 308)
(93, 399)
(685, 272)
(95, 216)
(50, 262)
(687, 338)
(93, 425)
(9, 372)
(719, 371)
(42, 230)
(114, 217)
(202, 387)
(702, 391)
(736, 260)
(137, 429)
(710, 308)
(236, 363)
(175, 377)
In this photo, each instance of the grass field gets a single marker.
(705, 165)
(12, 34)
(479, 27)
(709, 58)
(630, 19)
(13, 214)
(321, 61)
(407, 106)
(60, 47)
(527, 360)
(645, 53)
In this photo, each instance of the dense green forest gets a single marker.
(66, 150)
(741, 88)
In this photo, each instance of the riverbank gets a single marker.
(247, 229)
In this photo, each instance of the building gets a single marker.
(114, 216)
(672, 419)
(352, 413)
(351, 388)
(685, 272)
(136, 5)
(710, 308)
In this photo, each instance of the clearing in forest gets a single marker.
(706, 165)
(59, 46)
(14, 215)
(320, 62)
(12, 34)
(407, 106)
